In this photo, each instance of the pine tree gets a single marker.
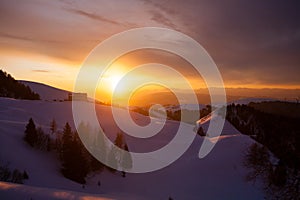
(48, 143)
(279, 176)
(74, 164)
(41, 142)
(30, 133)
(99, 151)
(66, 152)
(81, 165)
(200, 131)
(25, 175)
(112, 160)
(119, 140)
(67, 136)
(53, 126)
(126, 162)
(5, 173)
(17, 177)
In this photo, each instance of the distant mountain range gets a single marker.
(242, 95)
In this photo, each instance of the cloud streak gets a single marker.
(161, 19)
(40, 71)
(24, 38)
(92, 16)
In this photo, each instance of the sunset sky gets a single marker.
(254, 43)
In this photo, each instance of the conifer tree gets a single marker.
(119, 140)
(53, 126)
(74, 163)
(66, 152)
(112, 160)
(81, 162)
(126, 162)
(99, 151)
(30, 133)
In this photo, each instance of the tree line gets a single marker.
(277, 133)
(9, 87)
(14, 176)
(76, 161)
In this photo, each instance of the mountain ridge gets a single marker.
(45, 91)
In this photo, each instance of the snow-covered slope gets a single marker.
(47, 92)
(16, 191)
(220, 175)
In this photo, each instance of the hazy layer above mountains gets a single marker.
(232, 94)
(148, 97)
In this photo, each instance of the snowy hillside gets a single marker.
(16, 191)
(47, 92)
(217, 176)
